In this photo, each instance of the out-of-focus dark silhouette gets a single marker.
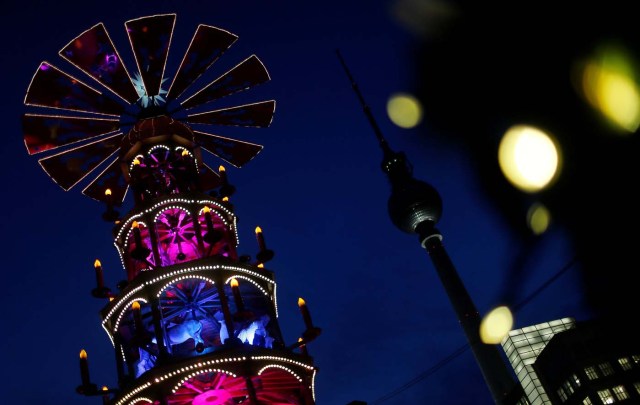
(481, 67)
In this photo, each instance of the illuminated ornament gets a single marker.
(529, 158)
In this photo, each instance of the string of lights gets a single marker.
(431, 370)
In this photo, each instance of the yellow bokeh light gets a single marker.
(538, 218)
(496, 325)
(608, 83)
(529, 158)
(404, 110)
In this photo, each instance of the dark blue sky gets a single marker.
(316, 190)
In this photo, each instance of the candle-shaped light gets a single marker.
(99, 277)
(136, 234)
(223, 175)
(140, 251)
(235, 287)
(260, 238)
(305, 313)
(110, 214)
(137, 316)
(303, 347)
(207, 218)
(84, 368)
(105, 395)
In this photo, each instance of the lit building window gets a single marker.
(620, 392)
(606, 369)
(587, 401)
(567, 387)
(591, 373)
(606, 397)
(575, 380)
(562, 394)
(625, 363)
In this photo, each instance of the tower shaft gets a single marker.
(494, 370)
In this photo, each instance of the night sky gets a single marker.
(316, 190)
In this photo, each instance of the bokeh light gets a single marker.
(404, 110)
(607, 82)
(496, 325)
(538, 218)
(529, 158)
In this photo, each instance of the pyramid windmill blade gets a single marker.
(208, 178)
(248, 115)
(51, 87)
(69, 167)
(248, 73)
(207, 45)
(150, 39)
(46, 132)
(235, 152)
(94, 53)
(111, 178)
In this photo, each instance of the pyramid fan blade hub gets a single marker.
(154, 130)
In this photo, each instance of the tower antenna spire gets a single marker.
(415, 207)
(367, 111)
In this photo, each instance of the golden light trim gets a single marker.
(125, 309)
(185, 277)
(282, 368)
(230, 279)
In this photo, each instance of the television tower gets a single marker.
(415, 207)
(193, 322)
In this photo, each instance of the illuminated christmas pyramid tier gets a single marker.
(193, 322)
